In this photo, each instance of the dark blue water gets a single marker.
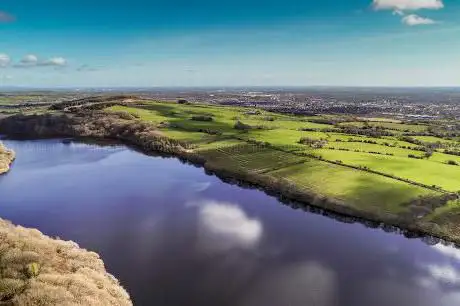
(173, 235)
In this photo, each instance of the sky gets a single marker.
(101, 43)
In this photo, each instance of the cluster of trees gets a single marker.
(202, 118)
(210, 131)
(97, 102)
(253, 112)
(242, 126)
(92, 124)
(414, 156)
(452, 152)
(366, 131)
(314, 143)
(183, 101)
(444, 134)
(239, 125)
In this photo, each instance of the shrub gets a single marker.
(202, 118)
(452, 162)
(253, 112)
(314, 143)
(125, 115)
(242, 126)
(182, 101)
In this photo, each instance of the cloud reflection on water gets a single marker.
(225, 226)
(304, 283)
(448, 251)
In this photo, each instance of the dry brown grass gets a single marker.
(6, 157)
(38, 270)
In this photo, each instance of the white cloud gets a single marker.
(4, 60)
(29, 59)
(407, 5)
(415, 20)
(399, 7)
(54, 61)
(224, 226)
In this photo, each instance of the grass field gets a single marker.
(358, 188)
(425, 171)
(282, 156)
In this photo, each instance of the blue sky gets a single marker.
(242, 42)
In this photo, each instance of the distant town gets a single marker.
(404, 103)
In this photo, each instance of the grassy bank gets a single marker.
(38, 270)
(365, 170)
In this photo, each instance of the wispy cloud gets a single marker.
(400, 7)
(414, 20)
(31, 60)
(5, 17)
(54, 61)
(4, 60)
(85, 67)
(407, 5)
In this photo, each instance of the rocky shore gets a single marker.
(6, 158)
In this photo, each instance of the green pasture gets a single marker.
(351, 185)
(419, 170)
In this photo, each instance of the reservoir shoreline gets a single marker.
(100, 125)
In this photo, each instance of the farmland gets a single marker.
(370, 172)
(379, 168)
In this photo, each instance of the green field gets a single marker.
(370, 173)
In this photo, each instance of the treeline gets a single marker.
(352, 130)
(92, 124)
(89, 100)
(360, 151)
(92, 103)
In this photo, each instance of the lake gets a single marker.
(174, 235)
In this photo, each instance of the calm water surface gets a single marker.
(174, 236)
